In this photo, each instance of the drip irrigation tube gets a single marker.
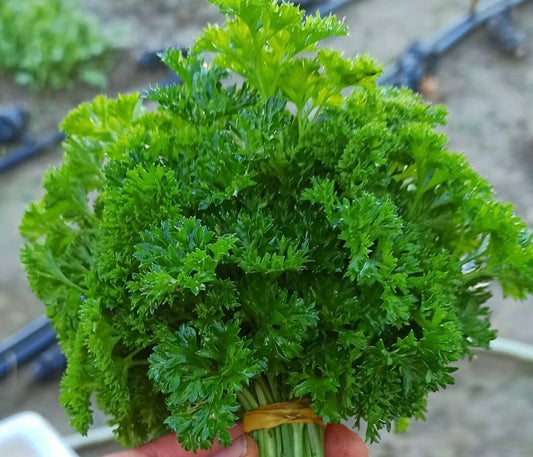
(327, 7)
(446, 38)
(420, 56)
(9, 344)
(26, 352)
(48, 365)
(152, 59)
(13, 123)
(25, 345)
(30, 149)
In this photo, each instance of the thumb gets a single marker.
(340, 441)
(243, 446)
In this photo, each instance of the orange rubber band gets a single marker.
(270, 416)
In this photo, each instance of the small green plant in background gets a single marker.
(50, 43)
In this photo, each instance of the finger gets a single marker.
(244, 446)
(168, 446)
(339, 441)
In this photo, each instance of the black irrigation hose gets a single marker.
(327, 7)
(13, 123)
(20, 338)
(420, 56)
(25, 345)
(35, 343)
(504, 35)
(305, 3)
(29, 149)
(323, 7)
(152, 60)
(48, 365)
(446, 38)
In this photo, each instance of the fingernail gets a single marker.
(239, 448)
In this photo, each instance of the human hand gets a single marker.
(339, 441)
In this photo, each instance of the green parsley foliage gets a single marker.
(302, 233)
(50, 43)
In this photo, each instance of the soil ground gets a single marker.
(489, 411)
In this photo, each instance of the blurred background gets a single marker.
(55, 54)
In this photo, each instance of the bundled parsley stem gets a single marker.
(302, 235)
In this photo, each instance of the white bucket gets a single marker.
(28, 434)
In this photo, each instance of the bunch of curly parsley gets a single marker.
(300, 234)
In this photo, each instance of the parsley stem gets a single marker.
(287, 440)
(297, 433)
(316, 440)
(247, 400)
(274, 388)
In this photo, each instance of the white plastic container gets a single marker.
(28, 434)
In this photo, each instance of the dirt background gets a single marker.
(489, 411)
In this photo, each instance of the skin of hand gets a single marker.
(339, 441)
